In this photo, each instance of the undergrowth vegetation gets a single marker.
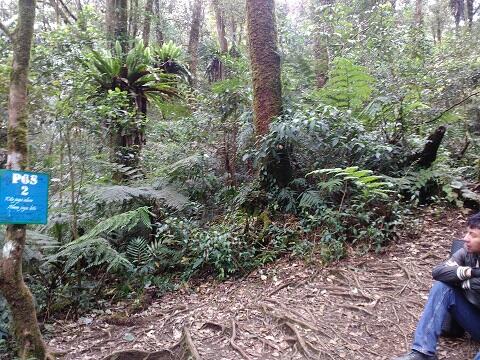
(193, 199)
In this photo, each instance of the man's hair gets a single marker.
(474, 221)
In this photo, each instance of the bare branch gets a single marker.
(68, 10)
(60, 12)
(476, 10)
(6, 31)
(450, 108)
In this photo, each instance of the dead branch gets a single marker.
(348, 294)
(462, 152)
(67, 10)
(404, 269)
(450, 108)
(235, 346)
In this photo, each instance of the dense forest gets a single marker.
(194, 140)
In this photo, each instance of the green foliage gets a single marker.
(369, 184)
(133, 74)
(168, 58)
(440, 183)
(168, 52)
(122, 195)
(389, 86)
(348, 85)
(196, 172)
(95, 249)
(138, 251)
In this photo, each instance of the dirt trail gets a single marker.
(363, 307)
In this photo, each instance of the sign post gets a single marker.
(23, 197)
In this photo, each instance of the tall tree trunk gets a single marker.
(470, 13)
(195, 38)
(419, 13)
(158, 25)
(133, 18)
(147, 21)
(127, 142)
(457, 7)
(439, 31)
(267, 88)
(220, 21)
(117, 23)
(320, 46)
(265, 63)
(25, 325)
(233, 29)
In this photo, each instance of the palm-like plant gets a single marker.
(135, 75)
(168, 58)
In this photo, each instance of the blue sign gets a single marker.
(23, 197)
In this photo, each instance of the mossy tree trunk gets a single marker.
(133, 15)
(195, 38)
(27, 333)
(126, 141)
(147, 21)
(117, 23)
(158, 23)
(267, 87)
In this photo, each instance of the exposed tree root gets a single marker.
(191, 350)
(300, 340)
(283, 286)
(184, 350)
(213, 325)
(288, 318)
(354, 307)
(235, 346)
(142, 355)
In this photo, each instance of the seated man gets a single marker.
(456, 291)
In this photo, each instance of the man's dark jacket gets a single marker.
(454, 272)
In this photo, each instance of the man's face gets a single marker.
(472, 240)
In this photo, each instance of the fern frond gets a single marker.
(138, 251)
(124, 221)
(97, 251)
(363, 179)
(121, 194)
(349, 85)
(310, 199)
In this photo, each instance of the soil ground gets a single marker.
(363, 307)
